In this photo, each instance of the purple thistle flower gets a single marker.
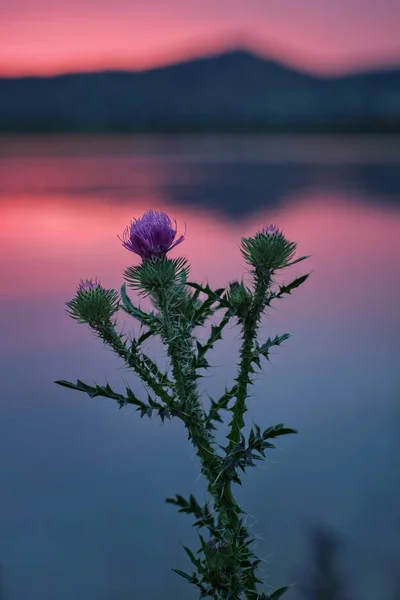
(88, 285)
(271, 229)
(152, 235)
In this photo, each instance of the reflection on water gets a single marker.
(83, 484)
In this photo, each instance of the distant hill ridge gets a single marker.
(233, 91)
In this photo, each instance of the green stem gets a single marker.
(250, 327)
(134, 360)
(177, 338)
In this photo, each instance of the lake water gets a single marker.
(82, 512)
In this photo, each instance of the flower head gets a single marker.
(152, 235)
(88, 285)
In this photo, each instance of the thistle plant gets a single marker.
(225, 567)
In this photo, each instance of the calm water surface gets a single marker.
(82, 512)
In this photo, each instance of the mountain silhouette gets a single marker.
(233, 91)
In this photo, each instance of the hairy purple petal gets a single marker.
(271, 229)
(88, 285)
(151, 235)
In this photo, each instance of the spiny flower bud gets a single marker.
(151, 236)
(93, 304)
(157, 274)
(268, 250)
(239, 298)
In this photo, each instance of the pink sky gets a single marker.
(53, 36)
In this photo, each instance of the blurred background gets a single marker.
(228, 116)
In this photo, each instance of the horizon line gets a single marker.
(212, 51)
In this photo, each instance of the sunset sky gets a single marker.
(54, 36)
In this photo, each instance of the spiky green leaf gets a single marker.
(130, 398)
(276, 431)
(195, 561)
(287, 289)
(213, 295)
(264, 349)
(221, 404)
(135, 311)
(186, 576)
(294, 262)
(278, 593)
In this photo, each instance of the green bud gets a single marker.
(93, 304)
(240, 299)
(268, 250)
